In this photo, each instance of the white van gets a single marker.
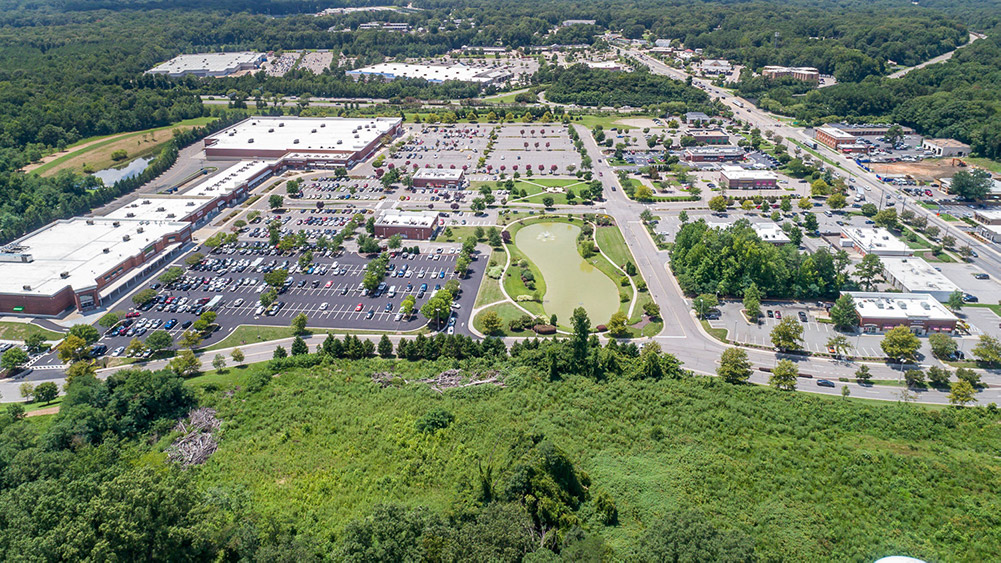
(392, 291)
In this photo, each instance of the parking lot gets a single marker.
(445, 146)
(231, 281)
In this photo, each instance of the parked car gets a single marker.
(825, 383)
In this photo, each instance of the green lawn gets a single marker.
(20, 331)
(505, 98)
(252, 334)
(490, 290)
(612, 243)
(507, 312)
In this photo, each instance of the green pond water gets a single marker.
(570, 281)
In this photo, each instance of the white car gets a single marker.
(238, 302)
(323, 306)
(118, 351)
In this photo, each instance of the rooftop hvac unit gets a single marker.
(313, 131)
(340, 141)
(64, 275)
(161, 209)
(116, 224)
(295, 142)
(272, 130)
(140, 229)
(107, 251)
(282, 124)
(251, 140)
(146, 202)
(356, 135)
(323, 125)
(26, 287)
(191, 204)
(90, 221)
(130, 215)
(171, 215)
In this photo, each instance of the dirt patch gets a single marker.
(99, 158)
(925, 171)
(633, 122)
(43, 412)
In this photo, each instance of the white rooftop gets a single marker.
(438, 174)
(768, 232)
(876, 241)
(302, 133)
(917, 276)
(739, 173)
(211, 63)
(900, 306)
(81, 248)
(836, 133)
(433, 73)
(229, 179)
(158, 208)
(410, 218)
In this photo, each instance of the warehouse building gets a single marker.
(805, 73)
(922, 313)
(713, 154)
(869, 129)
(83, 263)
(710, 136)
(415, 225)
(438, 178)
(737, 178)
(876, 241)
(340, 141)
(209, 64)
(434, 73)
(834, 137)
(946, 148)
(914, 275)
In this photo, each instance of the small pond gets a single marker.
(111, 175)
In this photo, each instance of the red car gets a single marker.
(778, 315)
(133, 314)
(359, 308)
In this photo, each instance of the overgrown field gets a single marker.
(805, 478)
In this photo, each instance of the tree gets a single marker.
(843, 313)
(299, 346)
(279, 353)
(298, 324)
(87, 333)
(394, 242)
(969, 376)
(704, 303)
(193, 259)
(804, 203)
(962, 394)
(863, 374)
(955, 301)
(784, 376)
(13, 359)
(752, 301)
(899, 343)
(971, 185)
(869, 271)
(159, 340)
(494, 237)
(190, 339)
(276, 278)
(988, 350)
(407, 305)
(492, 323)
(836, 201)
(869, 209)
(548, 201)
(938, 377)
(687, 535)
(643, 193)
(268, 297)
(840, 344)
(73, 349)
(651, 310)
(27, 391)
(385, 347)
(237, 356)
(46, 392)
(718, 204)
(218, 362)
(438, 308)
(886, 218)
(276, 201)
(942, 345)
(914, 378)
(819, 187)
(810, 222)
(617, 325)
(785, 205)
(787, 335)
(734, 367)
(35, 343)
(110, 319)
(184, 363)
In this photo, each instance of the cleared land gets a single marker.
(20, 331)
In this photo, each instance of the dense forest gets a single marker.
(726, 261)
(566, 450)
(585, 86)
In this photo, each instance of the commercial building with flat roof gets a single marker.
(737, 178)
(946, 148)
(81, 263)
(920, 312)
(876, 241)
(343, 141)
(710, 136)
(716, 66)
(606, 65)
(434, 73)
(713, 154)
(768, 232)
(869, 129)
(209, 64)
(805, 73)
(696, 117)
(438, 178)
(914, 275)
(416, 225)
(834, 137)
(568, 23)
